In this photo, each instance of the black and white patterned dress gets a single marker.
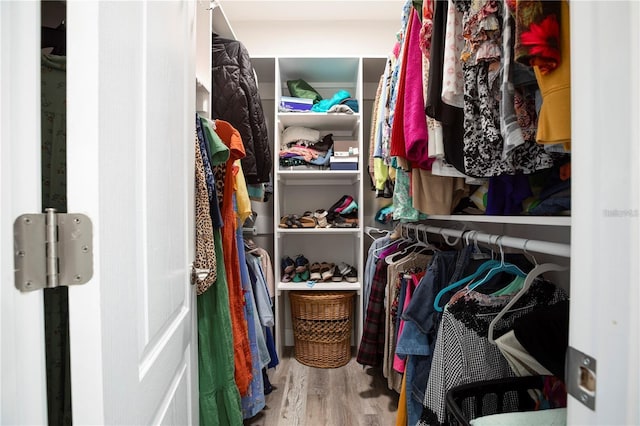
(483, 141)
(463, 354)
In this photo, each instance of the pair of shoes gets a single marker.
(302, 269)
(287, 269)
(295, 221)
(348, 272)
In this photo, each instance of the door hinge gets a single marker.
(52, 249)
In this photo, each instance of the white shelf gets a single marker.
(323, 231)
(308, 188)
(319, 286)
(318, 177)
(320, 120)
(517, 220)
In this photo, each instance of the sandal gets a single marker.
(348, 272)
(326, 271)
(340, 222)
(285, 222)
(352, 276)
(314, 270)
(321, 217)
(307, 222)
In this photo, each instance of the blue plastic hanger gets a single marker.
(500, 268)
(481, 270)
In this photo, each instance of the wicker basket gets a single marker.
(322, 327)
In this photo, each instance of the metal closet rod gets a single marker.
(547, 247)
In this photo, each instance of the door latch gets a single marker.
(52, 249)
(581, 377)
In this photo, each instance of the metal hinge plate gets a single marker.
(52, 249)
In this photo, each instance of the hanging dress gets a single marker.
(218, 393)
(242, 352)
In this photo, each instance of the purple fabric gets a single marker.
(415, 120)
(506, 194)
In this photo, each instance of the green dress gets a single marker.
(219, 396)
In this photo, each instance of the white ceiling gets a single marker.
(312, 10)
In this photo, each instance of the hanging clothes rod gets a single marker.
(547, 247)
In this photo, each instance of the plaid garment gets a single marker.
(371, 348)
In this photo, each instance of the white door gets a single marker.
(605, 229)
(22, 366)
(130, 156)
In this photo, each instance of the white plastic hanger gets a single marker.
(370, 229)
(531, 276)
(417, 244)
(395, 236)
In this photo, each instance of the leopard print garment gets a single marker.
(205, 265)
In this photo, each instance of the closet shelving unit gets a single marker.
(298, 190)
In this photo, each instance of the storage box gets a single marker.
(345, 148)
(343, 163)
(322, 324)
(291, 104)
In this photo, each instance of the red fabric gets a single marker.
(241, 349)
(415, 118)
(396, 145)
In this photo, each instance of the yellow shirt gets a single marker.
(242, 195)
(554, 122)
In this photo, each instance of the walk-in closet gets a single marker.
(500, 193)
(320, 212)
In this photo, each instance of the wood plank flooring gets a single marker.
(346, 396)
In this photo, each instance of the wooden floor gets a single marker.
(346, 396)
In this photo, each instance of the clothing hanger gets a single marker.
(416, 245)
(368, 230)
(394, 240)
(531, 276)
(455, 241)
(491, 263)
(500, 268)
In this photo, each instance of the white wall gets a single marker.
(309, 38)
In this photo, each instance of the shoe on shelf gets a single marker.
(315, 272)
(337, 276)
(308, 220)
(348, 272)
(302, 264)
(287, 265)
(326, 270)
(301, 276)
(321, 218)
